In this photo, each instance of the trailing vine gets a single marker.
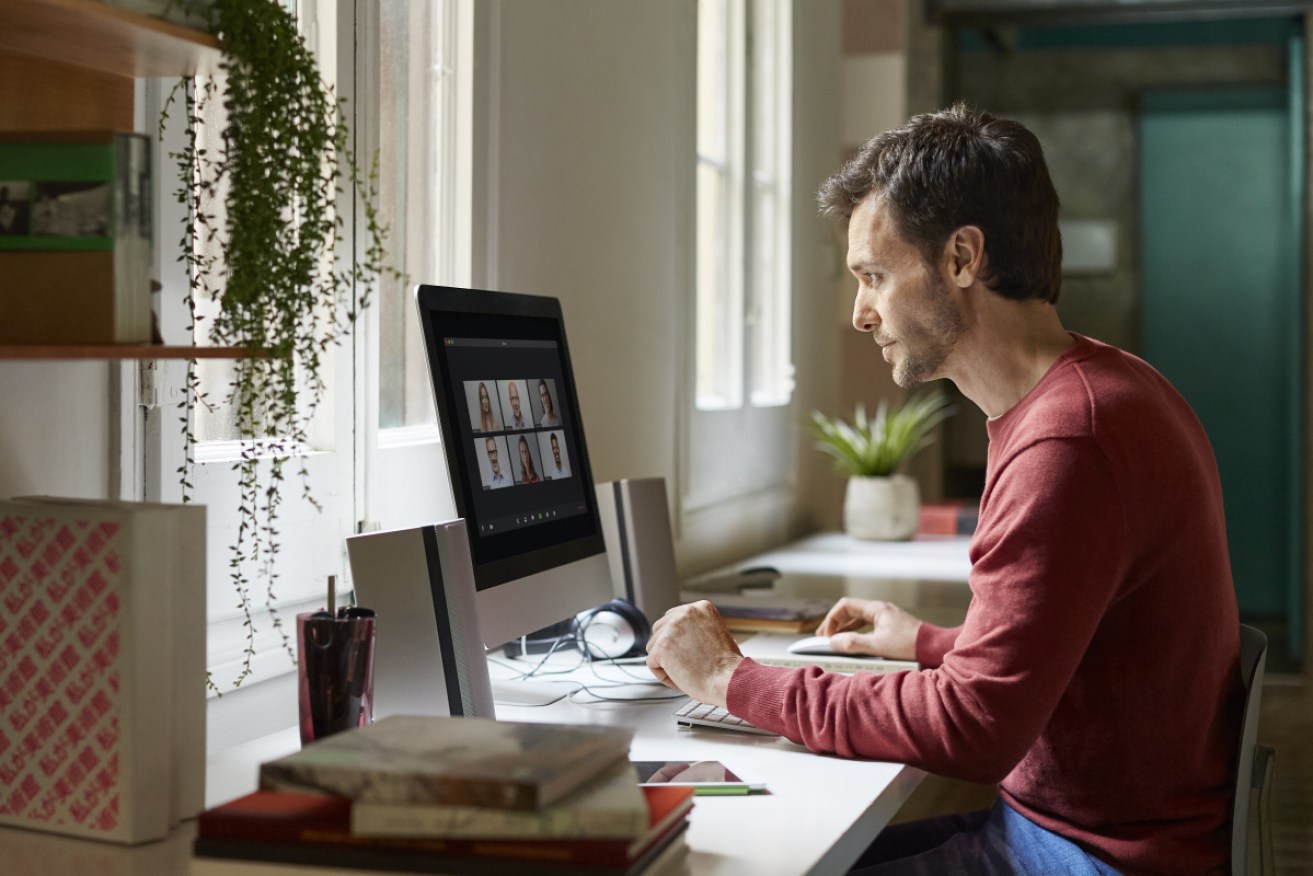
(261, 239)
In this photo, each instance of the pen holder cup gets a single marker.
(335, 672)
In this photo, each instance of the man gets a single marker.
(1096, 675)
(561, 469)
(495, 479)
(517, 420)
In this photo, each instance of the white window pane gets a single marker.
(713, 79)
(415, 95)
(215, 419)
(769, 315)
(769, 321)
(765, 86)
(719, 300)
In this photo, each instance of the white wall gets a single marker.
(591, 200)
(54, 429)
(593, 118)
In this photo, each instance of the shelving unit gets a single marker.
(70, 64)
(35, 352)
(97, 36)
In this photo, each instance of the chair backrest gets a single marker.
(1253, 658)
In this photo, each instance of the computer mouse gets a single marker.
(812, 645)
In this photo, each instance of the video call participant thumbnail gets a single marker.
(544, 406)
(491, 454)
(556, 462)
(527, 468)
(512, 391)
(484, 414)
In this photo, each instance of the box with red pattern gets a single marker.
(87, 632)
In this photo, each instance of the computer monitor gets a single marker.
(516, 455)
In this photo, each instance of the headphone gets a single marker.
(612, 630)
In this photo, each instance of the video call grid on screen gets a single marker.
(517, 429)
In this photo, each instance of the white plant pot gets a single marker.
(881, 508)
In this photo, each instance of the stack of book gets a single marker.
(764, 613)
(952, 517)
(466, 796)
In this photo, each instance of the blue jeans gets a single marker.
(996, 842)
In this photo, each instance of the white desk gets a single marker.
(820, 812)
(833, 554)
(818, 815)
(927, 576)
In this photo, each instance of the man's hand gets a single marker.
(892, 635)
(691, 650)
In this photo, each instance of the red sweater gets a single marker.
(1097, 675)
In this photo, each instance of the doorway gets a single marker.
(1221, 227)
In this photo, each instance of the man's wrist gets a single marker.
(720, 691)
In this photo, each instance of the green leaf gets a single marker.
(880, 446)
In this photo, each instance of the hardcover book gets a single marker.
(666, 858)
(758, 608)
(610, 806)
(267, 823)
(460, 761)
(957, 517)
(85, 671)
(75, 237)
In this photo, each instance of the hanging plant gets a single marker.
(261, 241)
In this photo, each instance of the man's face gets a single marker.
(514, 395)
(556, 451)
(907, 307)
(491, 448)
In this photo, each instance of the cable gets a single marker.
(592, 692)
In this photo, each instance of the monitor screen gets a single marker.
(514, 442)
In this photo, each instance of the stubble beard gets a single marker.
(927, 344)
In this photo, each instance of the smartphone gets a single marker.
(704, 776)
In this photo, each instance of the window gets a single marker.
(743, 350)
(375, 433)
(415, 113)
(737, 439)
(417, 88)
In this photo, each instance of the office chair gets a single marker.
(1254, 772)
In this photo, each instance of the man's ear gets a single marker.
(964, 255)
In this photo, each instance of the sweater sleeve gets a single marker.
(1046, 560)
(933, 642)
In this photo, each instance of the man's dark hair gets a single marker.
(959, 167)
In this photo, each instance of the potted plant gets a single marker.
(880, 502)
(261, 242)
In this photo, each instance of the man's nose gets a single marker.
(865, 316)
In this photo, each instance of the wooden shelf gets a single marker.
(97, 36)
(127, 351)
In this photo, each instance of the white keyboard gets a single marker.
(695, 714)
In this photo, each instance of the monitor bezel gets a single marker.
(434, 299)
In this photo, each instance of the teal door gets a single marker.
(1221, 315)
